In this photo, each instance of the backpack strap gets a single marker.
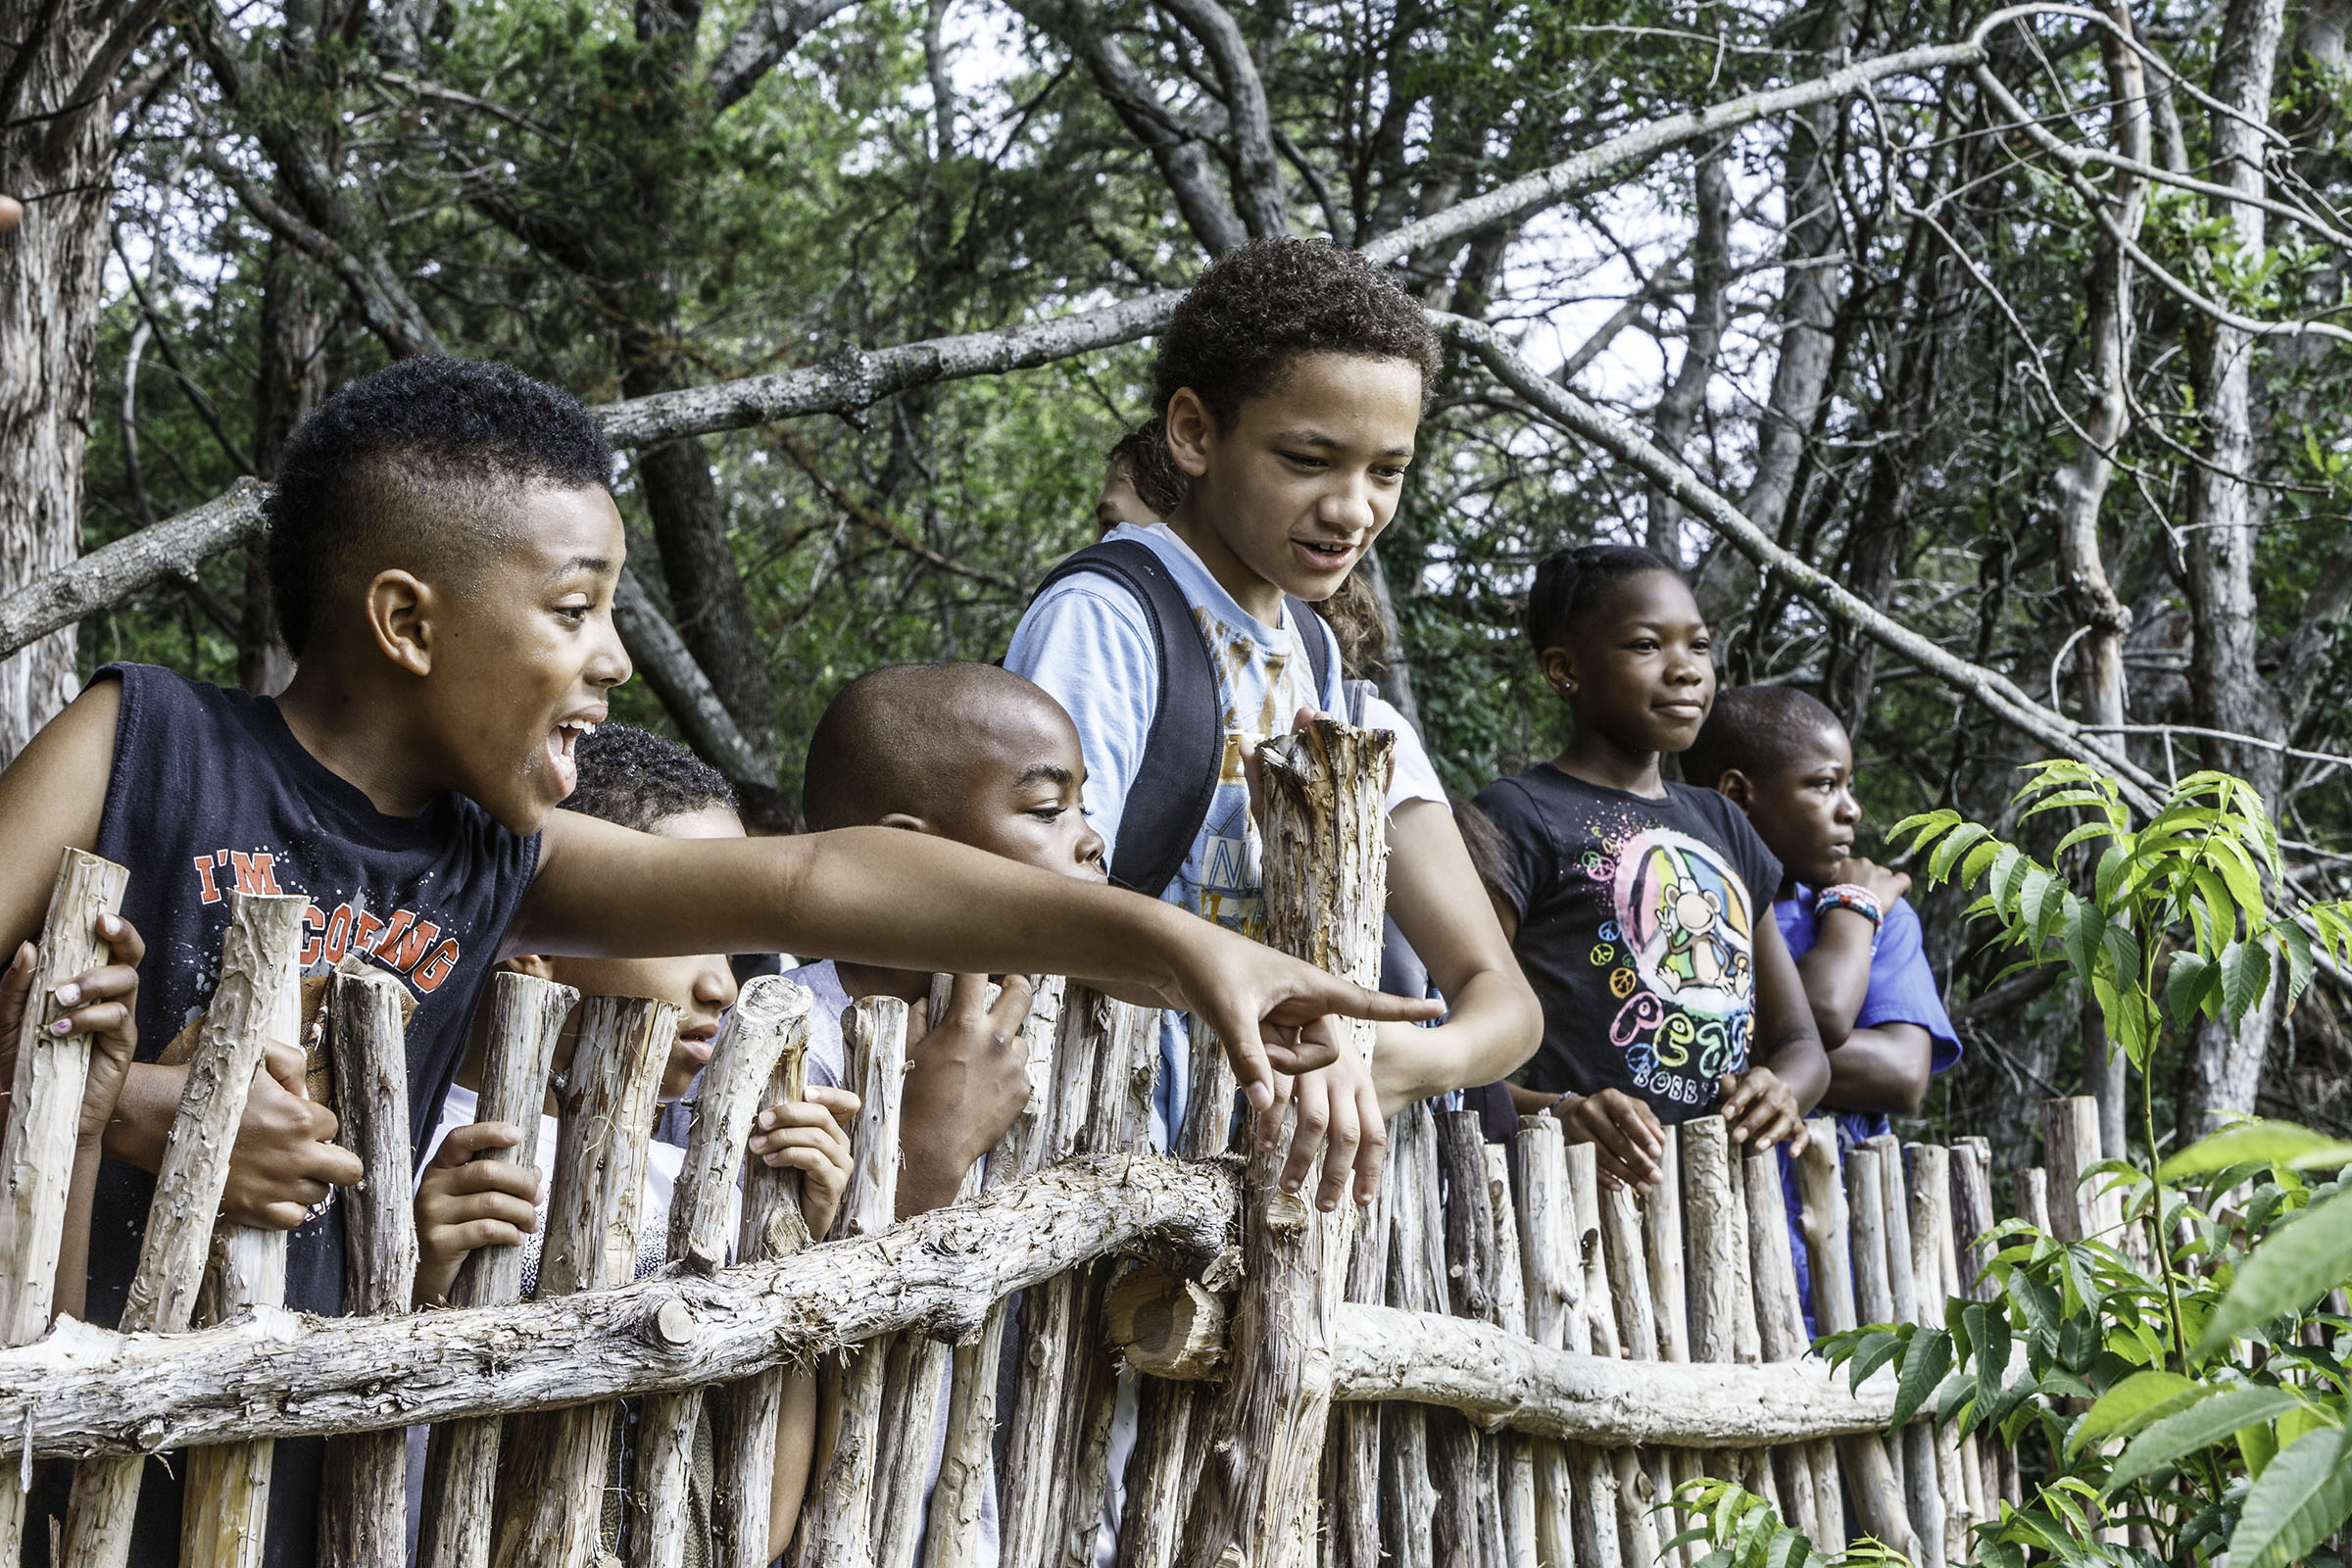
(1176, 778)
(1316, 636)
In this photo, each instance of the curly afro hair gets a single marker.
(408, 467)
(638, 779)
(1262, 304)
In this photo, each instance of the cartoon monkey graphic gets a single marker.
(1699, 956)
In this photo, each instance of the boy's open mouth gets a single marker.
(1324, 554)
(560, 760)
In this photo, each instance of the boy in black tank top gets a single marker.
(444, 555)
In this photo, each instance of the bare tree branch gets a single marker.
(172, 548)
(774, 28)
(1257, 167)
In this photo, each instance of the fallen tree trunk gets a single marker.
(82, 1391)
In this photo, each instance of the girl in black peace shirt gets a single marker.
(1639, 909)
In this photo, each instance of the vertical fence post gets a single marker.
(743, 1063)
(224, 1512)
(1352, 1491)
(1173, 1417)
(1553, 1285)
(1634, 1532)
(1879, 1491)
(1409, 1502)
(1779, 1320)
(1932, 1268)
(257, 963)
(1637, 1337)
(1462, 1457)
(1514, 1460)
(964, 1471)
(36, 1163)
(1821, 1192)
(745, 1457)
(364, 1502)
(1923, 1481)
(1326, 879)
(837, 1520)
(552, 1489)
(461, 1472)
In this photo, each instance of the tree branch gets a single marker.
(172, 548)
(774, 28)
(1256, 166)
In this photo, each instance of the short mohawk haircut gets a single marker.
(406, 465)
(640, 780)
(1757, 730)
(1262, 304)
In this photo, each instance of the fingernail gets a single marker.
(1260, 1096)
(67, 995)
(63, 1026)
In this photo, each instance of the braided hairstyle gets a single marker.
(1570, 582)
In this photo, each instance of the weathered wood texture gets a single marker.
(702, 1208)
(836, 1521)
(744, 1437)
(953, 1538)
(1553, 1285)
(258, 953)
(365, 1503)
(461, 1477)
(552, 1483)
(44, 1118)
(1326, 881)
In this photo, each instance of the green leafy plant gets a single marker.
(2182, 1374)
(1740, 1529)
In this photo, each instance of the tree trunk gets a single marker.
(1710, 312)
(291, 384)
(59, 161)
(2225, 512)
(712, 611)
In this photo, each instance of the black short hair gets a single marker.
(1490, 857)
(641, 780)
(1262, 304)
(1150, 467)
(407, 467)
(901, 739)
(1570, 582)
(1757, 729)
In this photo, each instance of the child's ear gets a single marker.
(910, 822)
(1560, 670)
(1737, 786)
(399, 610)
(1191, 431)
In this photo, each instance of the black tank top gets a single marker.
(210, 792)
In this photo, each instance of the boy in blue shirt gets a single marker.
(1784, 758)
(1290, 384)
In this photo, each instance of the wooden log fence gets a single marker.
(1503, 1362)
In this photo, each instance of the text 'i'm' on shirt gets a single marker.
(1637, 929)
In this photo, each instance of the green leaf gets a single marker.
(2048, 909)
(1925, 1362)
(2114, 861)
(2133, 1403)
(2292, 1267)
(1977, 860)
(1939, 865)
(2207, 1422)
(2295, 942)
(2259, 1142)
(2187, 985)
(2303, 1495)
(2083, 932)
(2246, 976)
(2010, 867)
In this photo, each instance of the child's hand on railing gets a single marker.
(812, 1137)
(101, 1003)
(968, 1079)
(1339, 1117)
(1623, 1131)
(463, 1204)
(286, 1156)
(1761, 1111)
